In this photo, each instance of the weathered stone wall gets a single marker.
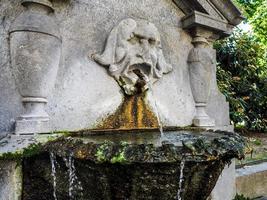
(84, 93)
(10, 180)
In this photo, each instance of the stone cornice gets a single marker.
(215, 15)
(200, 19)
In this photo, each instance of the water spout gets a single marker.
(53, 173)
(181, 179)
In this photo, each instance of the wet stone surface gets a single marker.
(130, 165)
(149, 146)
(119, 181)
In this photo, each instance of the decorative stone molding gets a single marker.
(200, 69)
(134, 55)
(206, 21)
(35, 47)
(219, 16)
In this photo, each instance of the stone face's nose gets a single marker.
(144, 51)
(145, 46)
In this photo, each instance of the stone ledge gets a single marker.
(251, 181)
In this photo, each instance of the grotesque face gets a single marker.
(134, 56)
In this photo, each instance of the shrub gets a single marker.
(242, 78)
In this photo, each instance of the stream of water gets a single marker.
(181, 179)
(53, 173)
(74, 184)
(157, 114)
(75, 187)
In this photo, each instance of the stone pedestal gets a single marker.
(201, 118)
(35, 119)
(200, 71)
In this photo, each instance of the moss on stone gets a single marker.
(101, 152)
(63, 133)
(120, 157)
(29, 151)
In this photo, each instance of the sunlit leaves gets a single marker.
(242, 78)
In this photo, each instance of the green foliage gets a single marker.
(257, 142)
(241, 197)
(249, 7)
(256, 13)
(242, 78)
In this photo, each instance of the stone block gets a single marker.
(251, 181)
(10, 180)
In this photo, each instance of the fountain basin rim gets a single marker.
(133, 147)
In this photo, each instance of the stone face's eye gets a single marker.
(152, 41)
(138, 38)
(133, 40)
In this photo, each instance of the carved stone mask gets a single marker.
(134, 55)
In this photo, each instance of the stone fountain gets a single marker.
(114, 99)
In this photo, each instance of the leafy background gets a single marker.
(242, 68)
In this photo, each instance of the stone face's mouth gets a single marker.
(143, 72)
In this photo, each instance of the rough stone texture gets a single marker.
(10, 106)
(85, 93)
(131, 165)
(251, 181)
(107, 181)
(100, 153)
(229, 11)
(10, 180)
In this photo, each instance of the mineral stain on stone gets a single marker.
(131, 165)
(133, 113)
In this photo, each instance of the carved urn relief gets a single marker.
(133, 55)
(200, 70)
(35, 47)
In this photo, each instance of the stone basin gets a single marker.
(130, 165)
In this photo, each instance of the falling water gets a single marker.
(53, 173)
(74, 183)
(157, 113)
(181, 178)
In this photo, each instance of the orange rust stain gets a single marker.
(140, 112)
(127, 114)
(133, 113)
(81, 154)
